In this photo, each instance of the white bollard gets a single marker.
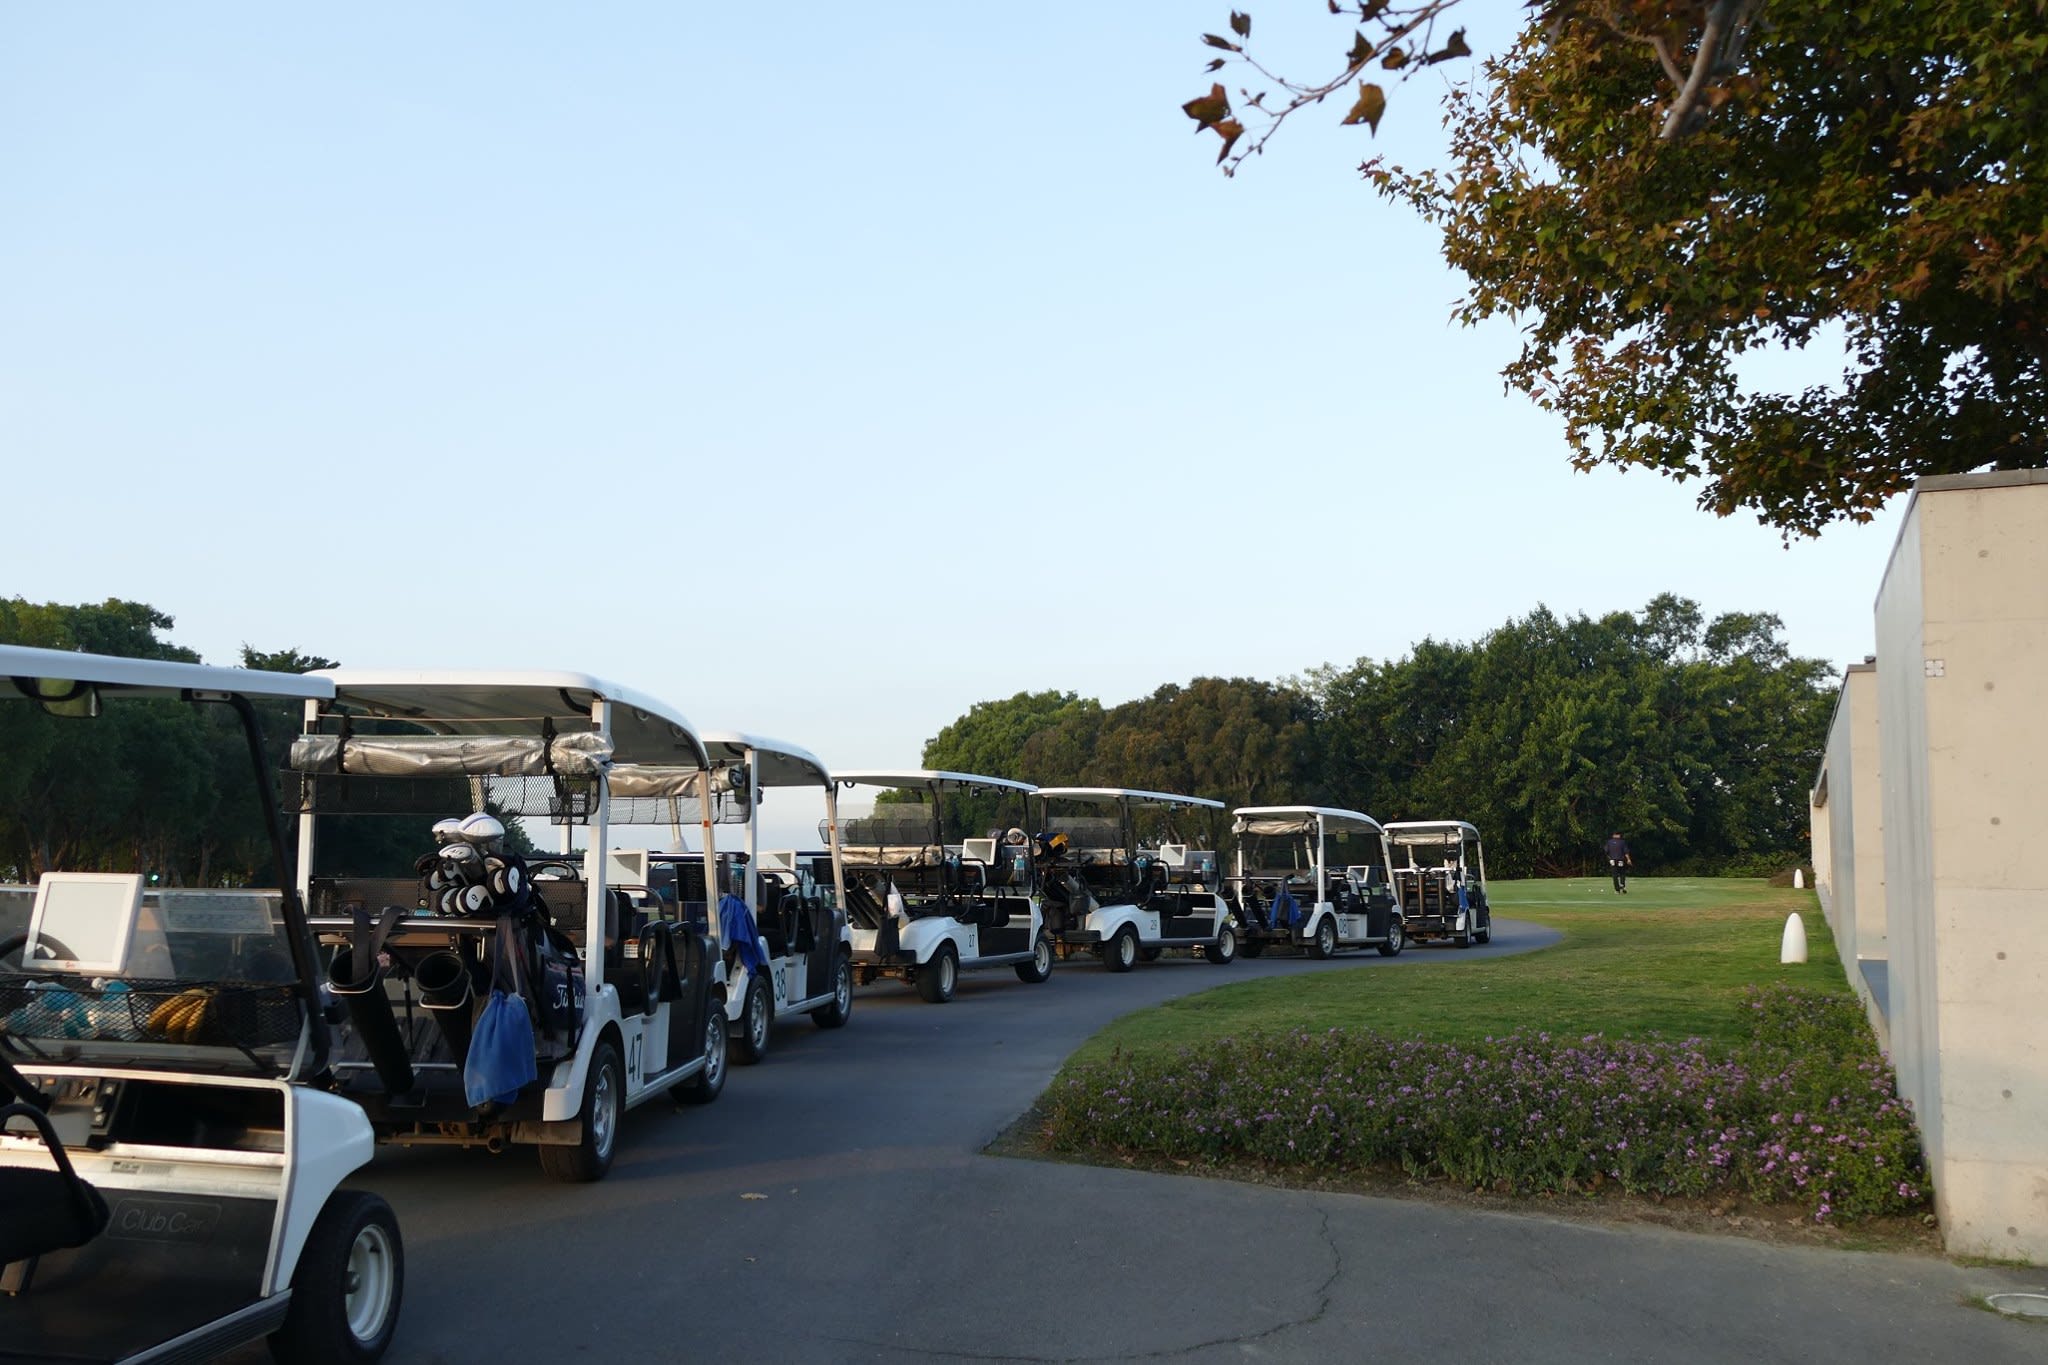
(1798, 879)
(1793, 947)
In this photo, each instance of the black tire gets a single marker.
(1120, 954)
(348, 1285)
(937, 978)
(1397, 938)
(1323, 946)
(604, 1108)
(1223, 951)
(1150, 954)
(840, 1010)
(708, 1084)
(756, 1023)
(1485, 934)
(1252, 947)
(1039, 969)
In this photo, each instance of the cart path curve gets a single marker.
(834, 1205)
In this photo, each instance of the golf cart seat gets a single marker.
(772, 917)
(45, 1211)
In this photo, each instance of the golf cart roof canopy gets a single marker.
(782, 765)
(1299, 819)
(41, 675)
(924, 779)
(1431, 831)
(1108, 795)
(476, 702)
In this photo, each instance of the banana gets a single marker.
(192, 1021)
(182, 1017)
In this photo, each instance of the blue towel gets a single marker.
(1286, 912)
(501, 1058)
(736, 927)
(1463, 906)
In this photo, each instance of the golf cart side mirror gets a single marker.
(62, 696)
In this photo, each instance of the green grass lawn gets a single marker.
(1669, 959)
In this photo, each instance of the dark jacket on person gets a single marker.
(1617, 850)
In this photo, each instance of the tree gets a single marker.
(1697, 43)
(1872, 177)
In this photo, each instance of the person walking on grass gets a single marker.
(1619, 860)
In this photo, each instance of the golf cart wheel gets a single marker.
(707, 1084)
(840, 1010)
(347, 1287)
(1224, 950)
(1324, 945)
(936, 979)
(1149, 954)
(1120, 954)
(1039, 968)
(757, 1021)
(1485, 932)
(1397, 938)
(604, 1104)
(1252, 947)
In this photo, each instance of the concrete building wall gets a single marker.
(1962, 638)
(1848, 841)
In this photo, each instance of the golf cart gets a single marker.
(170, 1165)
(1124, 893)
(421, 921)
(1440, 881)
(924, 911)
(1314, 878)
(787, 949)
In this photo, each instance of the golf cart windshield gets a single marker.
(98, 967)
(922, 812)
(1279, 843)
(110, 975)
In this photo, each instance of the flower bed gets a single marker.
(1803, 1112)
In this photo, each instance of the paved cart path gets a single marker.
(834, 1205)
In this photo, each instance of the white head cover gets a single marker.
(481, 828)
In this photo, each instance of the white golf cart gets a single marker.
(787, 948)
(1314, 878)
(1119, 881)
(924, 911)
(175, 1192)
(626, 1005)
(1440, 881)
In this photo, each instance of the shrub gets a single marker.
(1805, 1112)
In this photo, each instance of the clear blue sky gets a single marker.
(821, 368)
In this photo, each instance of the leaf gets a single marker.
(1216, 65)
(1395, 59)
(1335, 8)
(1241, 24)
(1231, 130)
(1208, 110)
(1456, 47)
(1372, 102)
(1213, 41)
(1361, 50)
(750, 1194)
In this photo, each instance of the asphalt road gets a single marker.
(834, 1205)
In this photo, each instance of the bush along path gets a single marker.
(1801, 1112)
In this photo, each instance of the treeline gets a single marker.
(1697, 739)
(156, 786)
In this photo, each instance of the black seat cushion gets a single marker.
(45, 1211)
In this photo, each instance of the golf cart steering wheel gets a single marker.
(45, 944)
